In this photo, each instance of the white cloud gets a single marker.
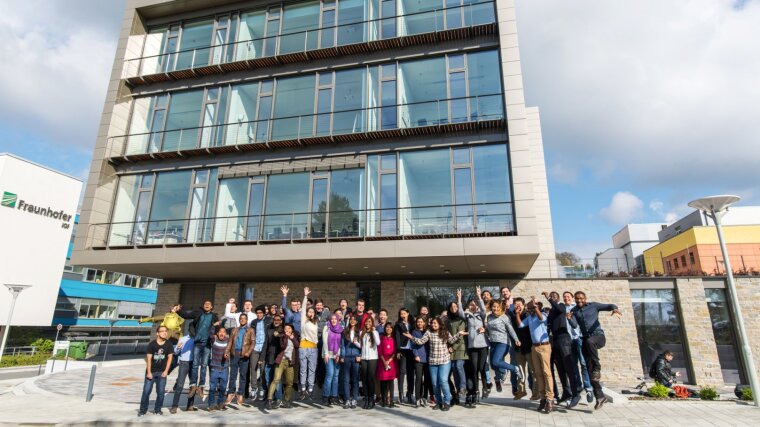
(56, 65)
(665, 90)
(623, 209)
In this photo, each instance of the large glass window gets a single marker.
(425, 192)
(242, 114)
(492, 188)
(169, 208)
(350, 95)
(421, 16)
(658, 326)
(347, 203)
(250, 37)
(183, 120)
(229, 224)
(287, 202)
(294, 105)
(485, 90)
(351, 17)
(422, 86)
(194, 45)
(437, 295)
(725, 339)
(300, 23)
(124, 210)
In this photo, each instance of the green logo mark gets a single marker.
(9, 199)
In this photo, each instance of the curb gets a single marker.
(615, 397)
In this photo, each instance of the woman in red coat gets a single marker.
(387, 370)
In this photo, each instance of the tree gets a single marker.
(567, 258)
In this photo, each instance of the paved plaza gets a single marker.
(60, 399)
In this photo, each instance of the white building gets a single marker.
(36, 221)
(628, 246)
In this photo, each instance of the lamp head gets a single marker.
(16, 288)
(714, 203)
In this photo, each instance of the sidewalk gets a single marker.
(60, 398)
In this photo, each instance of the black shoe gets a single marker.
(436, 407)
(564, 398)
(445, 407)
(286, 404)
(347, 404)
(600, 402)
(542, 405)
(371, 404)
(498, 386)
(158, 413)
(410, 400)
(549, 407)
(140, 414)
(268, 406)
(574, 401)
(366, 404)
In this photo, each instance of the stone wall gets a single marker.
(167, 296)
(748, 290)
(698, 332)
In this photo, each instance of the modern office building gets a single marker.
(628, 246)
(378, 148)
(36, 221)
(89, 298)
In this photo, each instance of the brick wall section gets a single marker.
(620, 358)
(698, 332)
(748, 290)
(167, 295)
(222, 293)
(330, 292)
(392, 297)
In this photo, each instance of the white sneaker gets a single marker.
(520, 374)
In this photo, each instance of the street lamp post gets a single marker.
(15, 290)
(715, 207)
(110, 327)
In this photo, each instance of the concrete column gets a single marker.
(698, 333)
(392, 297)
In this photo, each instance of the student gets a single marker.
(499, 332)
(351, 351)
(331, 337)
(370, 340)
(287, 361)
(404, 324)
(387, 372)
(231, 318)
(201, 329)
(477, 346)
(171, 320)
(456, 324)
(439, 362)
(158, 357)
(487, 298)
(661, 370)
(587, 315)
(184, 352)
(422, 383)
(308, 347)
(271, 350)
(240, 347)
(218, 371)
(541, 353)
(524, 360)
(293, 314)
(259, 327)
(562, 348)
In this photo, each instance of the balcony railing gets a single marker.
(357, 37)
(480, 219)
(349, 125)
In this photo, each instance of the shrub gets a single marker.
(708, 393)
(658, 390)
(24, 360)
(43, 345)
(747, 393)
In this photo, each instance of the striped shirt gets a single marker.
(218, 349)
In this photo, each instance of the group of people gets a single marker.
(358, 357)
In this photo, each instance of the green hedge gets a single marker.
(24, 360)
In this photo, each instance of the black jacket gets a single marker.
(272, 345)
(398, 333)
(192, 316)
(557, 319)
(662, 371)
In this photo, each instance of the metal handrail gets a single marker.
(300, 225)
(223, 47)
(308, 125)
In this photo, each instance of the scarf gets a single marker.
(333, 336)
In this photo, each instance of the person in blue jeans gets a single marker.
(438, 359)
(184, 353)
(350, 357)
(201, 329)
(500, 331)
(332, 334)
(219, 370)
(158, 357)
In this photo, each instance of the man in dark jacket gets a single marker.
(271, 350)
(201, 330)
(661, 370)
(259, 326)
(562, 347)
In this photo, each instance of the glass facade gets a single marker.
(433, 191)
(417, 93)
(725, 338)
(658, 326)
(299, 27)
(436, 295)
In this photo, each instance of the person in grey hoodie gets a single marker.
(500, 331)
(477, 346)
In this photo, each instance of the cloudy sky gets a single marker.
(644, 104)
